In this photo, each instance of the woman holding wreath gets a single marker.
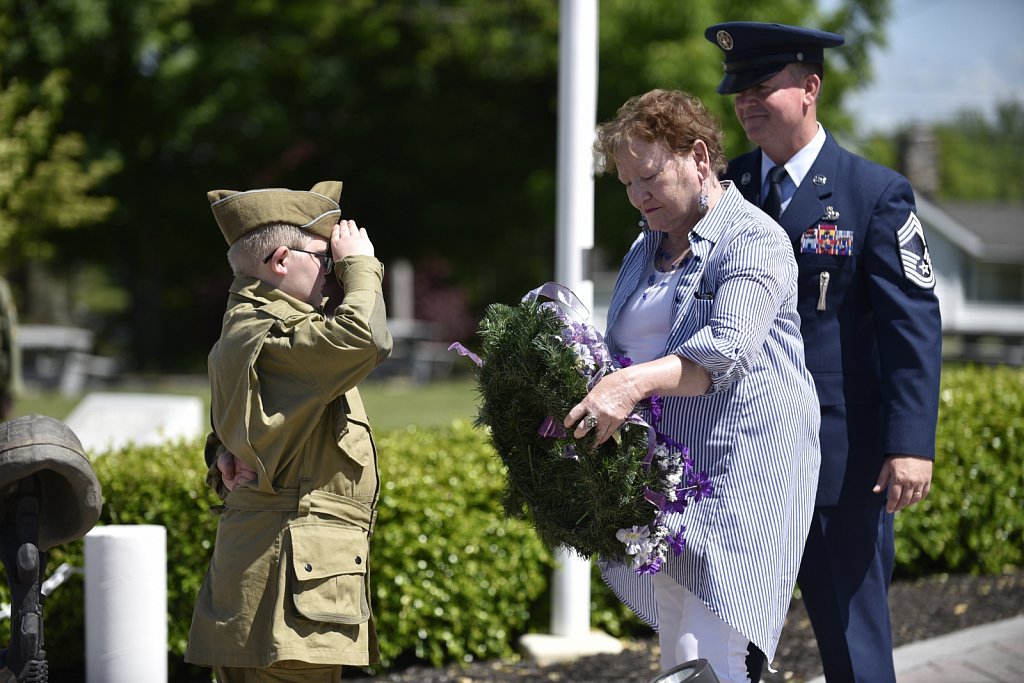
(703, 314)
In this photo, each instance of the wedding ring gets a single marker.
(590, 421)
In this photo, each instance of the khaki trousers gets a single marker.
(280, 672)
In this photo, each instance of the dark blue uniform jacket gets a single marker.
(869, 316)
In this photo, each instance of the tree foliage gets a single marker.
(46, 177)
(995, 148)
(440, 117)
(979, 158)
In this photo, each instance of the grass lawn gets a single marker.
(391, 404)
(397, 404)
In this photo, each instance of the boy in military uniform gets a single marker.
(286, 596)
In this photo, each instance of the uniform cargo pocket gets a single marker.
(329, 572)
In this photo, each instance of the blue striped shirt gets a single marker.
(755, 432)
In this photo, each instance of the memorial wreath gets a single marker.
(537, 360)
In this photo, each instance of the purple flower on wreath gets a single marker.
(656, 405)
(652, 567)
(702, 486)
(681, 501)
(677, 542)
(586, 342)
(622, 361)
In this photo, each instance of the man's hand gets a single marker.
(909, 479)
(234, 471)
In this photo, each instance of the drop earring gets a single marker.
(702, 201)
(643, 220)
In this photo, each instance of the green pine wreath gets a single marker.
(535, 364)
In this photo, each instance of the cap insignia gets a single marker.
(724, 40)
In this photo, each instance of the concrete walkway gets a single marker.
(991, 653)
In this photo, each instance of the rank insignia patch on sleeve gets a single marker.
(917, 265)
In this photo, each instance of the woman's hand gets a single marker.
(614, 398)
(605, 408)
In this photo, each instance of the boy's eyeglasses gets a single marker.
(325, 259)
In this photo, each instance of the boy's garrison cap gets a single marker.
(315, 211)
(755, 51)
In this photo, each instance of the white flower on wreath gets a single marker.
(635, 539)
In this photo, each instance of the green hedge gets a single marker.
(455, 581)
(973, 519)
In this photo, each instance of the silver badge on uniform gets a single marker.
(831, 214)
(745, 179)
(917, 264)
(819, 179)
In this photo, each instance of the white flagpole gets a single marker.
(577, 118)
(571, 635)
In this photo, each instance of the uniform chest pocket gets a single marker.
(824, 277)
(328, 568)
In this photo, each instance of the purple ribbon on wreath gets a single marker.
(463, 351)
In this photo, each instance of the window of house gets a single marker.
(997, 282)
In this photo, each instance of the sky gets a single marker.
(943, 56)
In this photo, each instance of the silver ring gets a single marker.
(590, 421)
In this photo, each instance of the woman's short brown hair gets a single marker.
(674, 117)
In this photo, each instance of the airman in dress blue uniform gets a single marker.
(871, 329)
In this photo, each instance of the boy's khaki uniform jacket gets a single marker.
(289, 577)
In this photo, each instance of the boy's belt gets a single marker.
(333, 505)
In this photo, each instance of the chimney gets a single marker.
(919, 153)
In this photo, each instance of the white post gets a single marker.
(126, 604)
(577, 118)
(401, 275)
(571, 635)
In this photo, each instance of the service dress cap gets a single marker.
(315, 210)
(755, 51)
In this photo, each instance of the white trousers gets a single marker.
(688, 630)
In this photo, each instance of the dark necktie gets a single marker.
(773, 202)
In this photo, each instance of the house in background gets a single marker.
(977, 251)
